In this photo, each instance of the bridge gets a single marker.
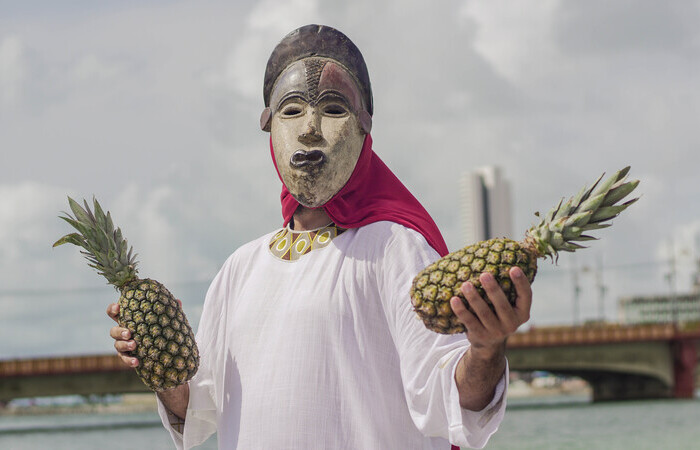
(618, 361)
(71, 375)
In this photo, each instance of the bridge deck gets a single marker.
(61, 365)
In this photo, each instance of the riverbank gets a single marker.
(574, 387)
(122, 404)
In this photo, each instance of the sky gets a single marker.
(153, 107)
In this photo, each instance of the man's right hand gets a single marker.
(122, 338)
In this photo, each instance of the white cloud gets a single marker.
(149, 228)
(22, 208)
(281, 16)
(513, 36)
(28, 227)
(266, 24)
(240, 72)
(600, 28)
(92, 67)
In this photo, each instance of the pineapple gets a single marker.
(559, 230)
(165, 345)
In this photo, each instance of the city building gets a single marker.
(659, 308)
(486, 205)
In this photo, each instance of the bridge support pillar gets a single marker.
(685, 360)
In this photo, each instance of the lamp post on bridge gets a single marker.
(671, 279)
(600, 285)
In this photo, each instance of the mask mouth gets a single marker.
(302, 158)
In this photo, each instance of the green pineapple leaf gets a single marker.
(104, 247)
(73, 238)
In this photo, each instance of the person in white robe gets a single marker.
(308, 339)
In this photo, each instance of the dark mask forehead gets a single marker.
(312, 78)
(335, 78)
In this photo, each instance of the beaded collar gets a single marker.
(290, 245)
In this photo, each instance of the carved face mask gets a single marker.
(318, 125)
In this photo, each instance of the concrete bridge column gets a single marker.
(685, 360)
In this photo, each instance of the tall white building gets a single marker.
(486, 205)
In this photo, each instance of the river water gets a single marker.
(551, 423)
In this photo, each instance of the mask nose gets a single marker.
(311, 133)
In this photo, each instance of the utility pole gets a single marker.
(577, 293)
(602, 289)
(671, 278)
(696, 275)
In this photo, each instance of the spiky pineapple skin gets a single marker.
(165, 345)
(435, 285)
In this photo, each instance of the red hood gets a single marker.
(373, 193)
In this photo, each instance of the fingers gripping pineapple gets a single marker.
(560, 230)
(165, 345)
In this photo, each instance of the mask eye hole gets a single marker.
(291, 110)
(334, 110)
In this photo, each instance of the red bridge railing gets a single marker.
(597, 334)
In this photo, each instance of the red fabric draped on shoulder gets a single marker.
(373, 193)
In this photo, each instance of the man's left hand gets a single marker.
(488, 329)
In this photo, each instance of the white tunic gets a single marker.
(325, 352)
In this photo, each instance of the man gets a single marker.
(307, 338)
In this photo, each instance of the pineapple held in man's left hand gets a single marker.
(560, 230)
(165, 345)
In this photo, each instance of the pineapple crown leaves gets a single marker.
(104, 246)
(564, 225)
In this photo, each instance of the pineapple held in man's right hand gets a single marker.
(165, 345)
